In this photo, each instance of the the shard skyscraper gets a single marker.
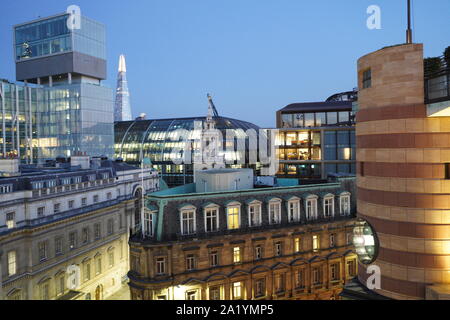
(122, 110)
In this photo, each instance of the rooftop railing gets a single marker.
(437, 80)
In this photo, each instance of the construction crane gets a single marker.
(213, 107)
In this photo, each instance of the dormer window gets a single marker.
(76, 180)
(37, 185)
(51, 183)
(275, 211)
(92, 177)
(311, 208)
(187, 217)
(328, 206)
(6, 188)
(105, 175)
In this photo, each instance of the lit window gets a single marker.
(12, 263)
(297, 244)
(316, 244)
(236, 255)
(11, 220)
(233, 217)
(237, 290)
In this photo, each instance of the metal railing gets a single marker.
(437, 80)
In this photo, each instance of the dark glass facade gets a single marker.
(315, 139)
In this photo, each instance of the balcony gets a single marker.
(437, 80)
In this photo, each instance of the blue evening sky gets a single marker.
(253, 56)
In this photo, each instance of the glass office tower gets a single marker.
(71, 111)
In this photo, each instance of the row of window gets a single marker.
(188, 214)
(73, 243)
(259, 285)
(11, 216)
(237, 253)
(66, 181)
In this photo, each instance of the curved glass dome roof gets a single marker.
(154, 137)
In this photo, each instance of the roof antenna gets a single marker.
(409, 31)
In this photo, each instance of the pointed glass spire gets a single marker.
(122, 110)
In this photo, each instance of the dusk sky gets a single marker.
(253, 56)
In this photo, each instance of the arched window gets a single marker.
(187, 219)
(294, 209)
(211, 213)
(275, 211)
(254, 214)
(328, 206)
(344, 204)
(233, 215)
(311, 207)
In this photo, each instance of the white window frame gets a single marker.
(149, 223)
(206, 210)
(233, 205)
(12, 263)
(255, 205)
(160, 263)
(294, 216)
(347, 197)
(311, 215)
(188, 210)
(328, 206)
(276, 203)
(10, 223)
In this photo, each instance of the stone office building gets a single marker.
(64, 227)
(228, 238)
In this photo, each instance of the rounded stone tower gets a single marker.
(402, 173)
